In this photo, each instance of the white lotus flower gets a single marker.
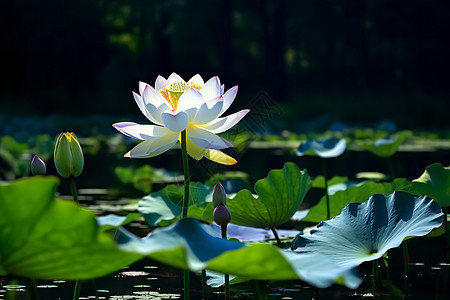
(175, 105)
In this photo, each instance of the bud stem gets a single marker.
(275, 233)
(227, 276)
(73, 189)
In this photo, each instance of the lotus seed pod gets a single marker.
(38, 166)
(219, 195)
(222, 215)
(69, 159)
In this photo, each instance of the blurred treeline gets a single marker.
(349, 59)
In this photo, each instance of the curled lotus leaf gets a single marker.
(162, 208)
(386, 146)
(365, 231)
(435, 183)
(47, 238)
(279, 195)
(189, 244)
(327, 148)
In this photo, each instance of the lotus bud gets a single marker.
(38, 166)
(222, 215)
(69, 160)
(219, 195)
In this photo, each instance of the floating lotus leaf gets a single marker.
(165, 206)
(47, 238)
(354, 193)
(365, 231)
(279, 195)
(434, 182)
(113, 221)
(188, 244)
(328, 148)
(386, 146)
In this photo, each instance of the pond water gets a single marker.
(148, 279)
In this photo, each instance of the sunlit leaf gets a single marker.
(354, 193)
(113, 221)
(279, 195)
(47, 238)
(327, 148)
(365, 231)
(165, 206)
(188, 244)
(434, 182)
(386, 146)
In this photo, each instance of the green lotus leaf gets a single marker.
(365, 231)
(162, 208)
(188, 244)
(386, 146)
(113, 221)
(47, 238)
(434, 182)
(355, 193)
(327, 148)
(279, 195)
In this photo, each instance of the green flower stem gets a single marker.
(204, 285)
(276, 237)
(185, 203)
(444, 210)
(227, 276)
(391, 167)
(186, 174)
(77, 290)
(324, 171)
(31, 286)
(73, 189)
(407, 271)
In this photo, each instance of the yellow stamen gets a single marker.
(68, 136)
(173, 91)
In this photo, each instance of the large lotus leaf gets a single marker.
(165, 206)
(188, 244)
(47, 238)
(434, 182)
(365, 231)
(355, 193)
(327, 148)
(279, 195)
(386, 146)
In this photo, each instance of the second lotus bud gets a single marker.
(38, 166)
(69, 159)
(222, 215)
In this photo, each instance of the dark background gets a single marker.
(352, 61)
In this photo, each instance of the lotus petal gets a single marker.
(365, 231)
(327, 148)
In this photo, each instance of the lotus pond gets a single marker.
(348, 213)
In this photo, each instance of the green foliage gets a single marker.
(47, 238)
(358, 193)
(279, 195)
(165, 206)
(188, 244)
(140, 178)
(386, 146)
(319, 181)
(435, 183)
